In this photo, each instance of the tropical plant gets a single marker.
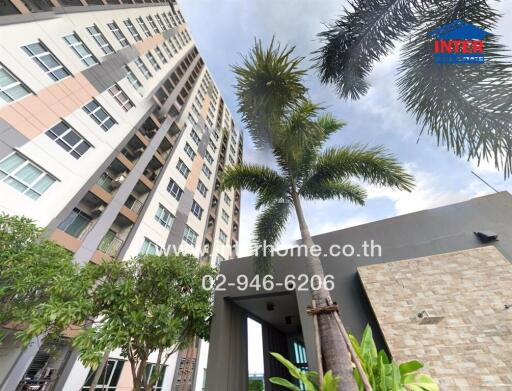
(386, 375)
(465, 106)
(295, 130)
(307, 379)
(150, 304)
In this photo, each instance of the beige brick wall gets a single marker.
(471, 347)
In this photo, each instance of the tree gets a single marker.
(31, 269)
(151, 304)
(465, 106)
(296, 133)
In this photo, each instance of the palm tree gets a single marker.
(296, 132)
(467, 107)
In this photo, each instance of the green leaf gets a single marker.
(294, 371)
(284, 383)
(410, 366)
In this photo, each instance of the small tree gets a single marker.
(31, 268)
(150, 304)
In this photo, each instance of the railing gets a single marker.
(77, 224)
(105, 182)
(135, 205)
(111, 245)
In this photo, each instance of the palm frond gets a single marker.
(467, 107)
(359, 38)
(268, 82)
(373, 165)
(262, 180)
(333, 189)
(270, 225)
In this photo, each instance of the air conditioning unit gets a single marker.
(138, 152)
(98, 210)
(119, 180)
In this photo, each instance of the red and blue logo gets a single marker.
(459, 43)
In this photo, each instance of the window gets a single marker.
(153, 25)
(167, 50)
(195, 137)
(219, 260)
(68, 139)
(164, 217)
(99, 115)
(201, 188)
(133, 31)
(109, 376)
(160, 55)
(212, 145)
(225, 216)
(166, 18)
(144, 26)
(136, 84)
(150, 367)
(118, 34)
(207, 171)
(190, 151)
(121, 98)
(159, 20)
(80, 50)
(150, 248)
(223, 237)
(182, 168)
(174, 189)
(190, 236)
(100, 39)
(76, 223)
(11, 88)
(143, 68)
(24, 176)
(46, 61)
(227, 200)
(208, 157)
(197, 210)
(231, 160)
(152, 61)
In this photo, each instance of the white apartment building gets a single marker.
(112, 135)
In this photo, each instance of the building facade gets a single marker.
(112, 135)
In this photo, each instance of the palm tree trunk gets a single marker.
(334, 349)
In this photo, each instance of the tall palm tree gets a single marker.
(306, 171)
(467, 107)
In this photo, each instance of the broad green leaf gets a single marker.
(409, 367)
(294, 371)
(284, 383)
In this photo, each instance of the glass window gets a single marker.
(69, 139)
(99, 115)
(24, 176)
(167, 21)
(46, 61)
(174, 189)
(144, 26)
(11, 88)
(150, 248)
(164, 217)
(227, 199)
(152, 61)
(201, 187)
(208, 157)
(150, 367)
(153, 25)
(133, 31)
(118, 34)
(219, 260)
(160, 22)
(134, 81)
(197, 210)
(182, 168)
(212, 144)
(76, 223)
(206, 171)
(82, 51)
(100, 39)
(195, 136)
(223, 237)
(225, 216)
(190, 151)
(190, 236)
(109, 377)
(120, 97)
(143, 68)
(167, 49)
(160, 55)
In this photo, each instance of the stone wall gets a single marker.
(470, 348)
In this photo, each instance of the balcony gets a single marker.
(134, 204)
(111, 244)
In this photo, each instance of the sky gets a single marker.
(225, 29)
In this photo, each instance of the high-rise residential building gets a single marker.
(112, 135)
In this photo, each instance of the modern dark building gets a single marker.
(437, 292)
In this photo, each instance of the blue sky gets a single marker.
(224, 29)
